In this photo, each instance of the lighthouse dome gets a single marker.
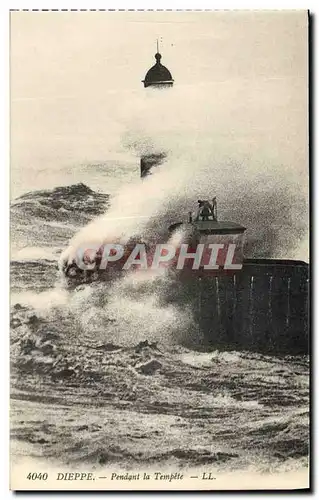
(158, 75)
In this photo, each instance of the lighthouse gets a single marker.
(259, 304)
(157, 77)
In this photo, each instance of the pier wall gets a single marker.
(262, 308)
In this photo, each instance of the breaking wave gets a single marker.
(215, 148)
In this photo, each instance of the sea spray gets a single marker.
(214, 148)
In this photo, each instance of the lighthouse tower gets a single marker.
(159, 77)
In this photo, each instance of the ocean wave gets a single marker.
(36, 253)
(50, 218)
(223, 413)
(75, 204)
(40, 301)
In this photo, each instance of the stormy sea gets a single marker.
(108, 374)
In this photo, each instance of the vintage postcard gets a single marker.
(159, 250)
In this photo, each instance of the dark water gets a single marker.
(107, 374)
